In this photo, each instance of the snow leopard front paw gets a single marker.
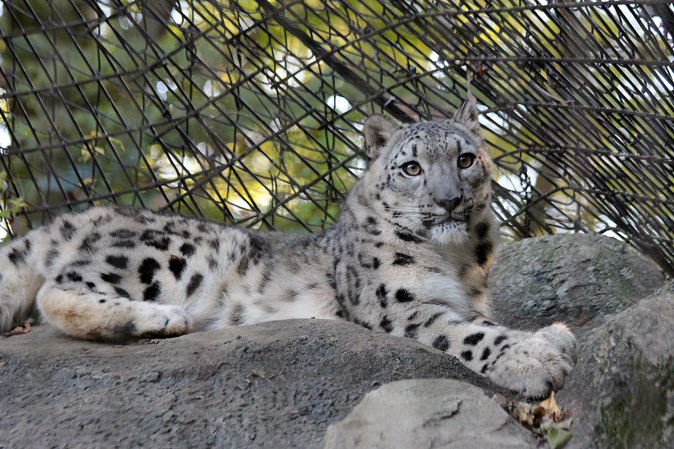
(163, 321)
(537, 363)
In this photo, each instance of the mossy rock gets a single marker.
(623, 383)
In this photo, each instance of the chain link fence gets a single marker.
(250, 111)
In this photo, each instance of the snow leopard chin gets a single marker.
(450, 233)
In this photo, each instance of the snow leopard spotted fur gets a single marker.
(408, 257)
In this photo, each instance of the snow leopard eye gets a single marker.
(412, 168)
(466, 160)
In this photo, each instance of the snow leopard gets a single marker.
(408, 256)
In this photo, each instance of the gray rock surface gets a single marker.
(580, 279)
(274, 385)
(623, 382)
(428, 413)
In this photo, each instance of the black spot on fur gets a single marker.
(386, 324)
(331, 281)
(187, 249)
(49, 258)
(194, 283)
(89, 241)
(112, 278)
(353, 284)
(123, 293)
(236, 317)
(102, 301)
(243, 265)
(463, 270)
(123, 234)
(441, 343)
(155, 239)
(485, 354)
(91, 286)
(256, 250)
(473, 339)
(59, 279)
(482, 252)
(67, 230)
(403, 259)
(408, 237)
(266, 278)
(467, 355)
(74, 276)
(403, 295)
(413, 316)
(147, 269)
(290, 296)
(484, 368)
(170, 228)
(411, 330)
(151, 293)
(481, 229)
(371, 226)
(212, 263)
(120, 262)
(432, 319)
(16, 257)
(499, 339)
(176, 266)
(123, 244)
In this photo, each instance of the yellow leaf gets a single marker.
(550, 407)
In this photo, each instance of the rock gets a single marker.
(623, 382)
(437, 413)
(276, 384)
(581, 279)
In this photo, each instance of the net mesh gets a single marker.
(251, 111)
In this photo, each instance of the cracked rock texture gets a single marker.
(428, 413)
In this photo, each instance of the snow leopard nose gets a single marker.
(449, 204)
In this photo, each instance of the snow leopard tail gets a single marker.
(20, 279)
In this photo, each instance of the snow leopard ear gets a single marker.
(378, 130)
(467, 116)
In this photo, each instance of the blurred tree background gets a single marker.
(250, 111)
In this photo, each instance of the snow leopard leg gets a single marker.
(20, 280)
(531, 363)
(98, 316)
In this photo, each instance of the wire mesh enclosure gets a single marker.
(250, 111)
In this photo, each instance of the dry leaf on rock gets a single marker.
(545, 419)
